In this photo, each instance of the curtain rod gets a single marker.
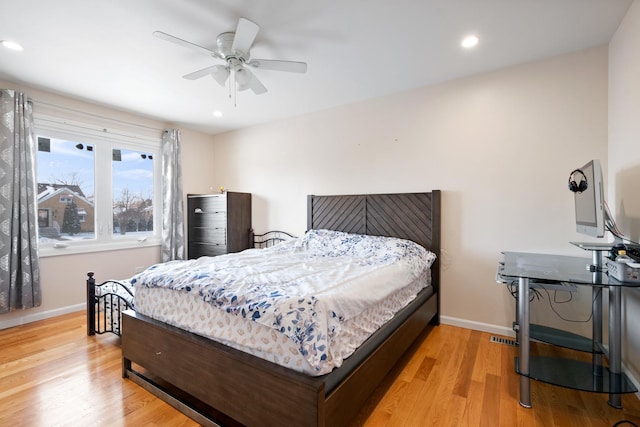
(96, 116)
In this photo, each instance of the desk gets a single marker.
(529, 270)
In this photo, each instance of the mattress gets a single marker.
(306, 304)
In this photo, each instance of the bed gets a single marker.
(216, 384)
(107, 300)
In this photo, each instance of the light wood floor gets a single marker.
(52, 374)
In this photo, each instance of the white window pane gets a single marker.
(65, 188)
(132, 185)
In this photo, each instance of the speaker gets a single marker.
(581, 185)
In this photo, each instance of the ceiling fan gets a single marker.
(234, 50)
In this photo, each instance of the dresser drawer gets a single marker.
(210, 204)
(211, 220)
(217, 235)
(196, 249)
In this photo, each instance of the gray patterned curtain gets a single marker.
(173, 216)
(19, 266)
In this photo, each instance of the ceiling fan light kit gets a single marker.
(234, 49)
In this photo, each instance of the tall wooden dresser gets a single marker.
(218, 223)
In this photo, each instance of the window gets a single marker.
(66, 176)
(97, 190)
(132, 192)
(43, 218)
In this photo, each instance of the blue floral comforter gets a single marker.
(304, 288)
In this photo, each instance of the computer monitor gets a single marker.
(589, 203)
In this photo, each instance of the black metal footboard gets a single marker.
(105, 303)
(269, 238)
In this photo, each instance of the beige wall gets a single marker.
(500, 146)
(63, 277)
(624, 161)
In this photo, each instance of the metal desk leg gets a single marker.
(615, 345)
(523, 342)
(596, 294)
(596, 310)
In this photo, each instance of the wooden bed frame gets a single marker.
(217, 385)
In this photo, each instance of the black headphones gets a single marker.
(578, 187)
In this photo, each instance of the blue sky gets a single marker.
(66, 162)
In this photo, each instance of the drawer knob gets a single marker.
(158, 353)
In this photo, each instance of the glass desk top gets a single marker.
(553, 269)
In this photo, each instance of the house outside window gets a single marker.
(56, 200)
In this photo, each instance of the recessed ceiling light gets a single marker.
(470, 41)
(11, 45)
(217, 114)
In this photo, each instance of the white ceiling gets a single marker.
(104, 52)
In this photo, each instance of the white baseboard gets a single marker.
(41, 315)
(477, 326)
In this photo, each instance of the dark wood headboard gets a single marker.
(411, 216)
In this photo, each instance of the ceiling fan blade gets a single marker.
(277, 65)
(200, 73)
(247, 80)
(184, 43)
(245, 35)
(256, 86)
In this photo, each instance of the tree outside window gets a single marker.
(71, 220)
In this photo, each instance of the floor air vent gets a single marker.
(506, 341)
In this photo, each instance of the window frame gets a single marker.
(104, 141)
